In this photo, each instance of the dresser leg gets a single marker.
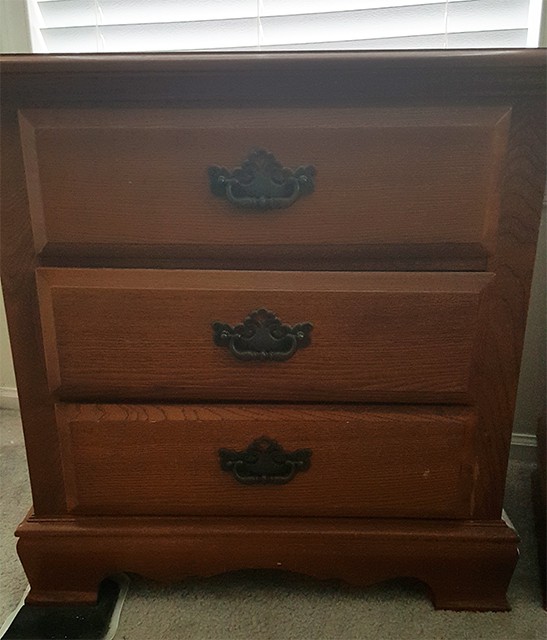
(466, 589)
(59, 573)
(473, 574)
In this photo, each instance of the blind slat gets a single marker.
(354, 25)
(153, 37)
(491, 39)
(300, 7)
(87, 13)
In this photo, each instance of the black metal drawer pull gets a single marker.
(262, 336)
(264, 462)
(261, 182)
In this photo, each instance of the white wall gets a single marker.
(8, 396)
(14, 31)
(531, 396)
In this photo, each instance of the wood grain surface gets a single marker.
(163, 459)
(130, 176)
(399, 337)
(466, 565)
(18, 262)
(459, 189)
(280, 79)
(502, 316)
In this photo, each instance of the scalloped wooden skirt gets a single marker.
(467, 565)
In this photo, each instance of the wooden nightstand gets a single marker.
(267, 311)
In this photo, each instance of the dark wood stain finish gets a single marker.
(116, 259)
(18, 263)
(366, 461)
(138, 176)
(466, 565)
(376, 337)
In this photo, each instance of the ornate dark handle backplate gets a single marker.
(262, 336)
(264, 462)
(261, 182)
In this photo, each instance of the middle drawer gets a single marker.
(319, 336)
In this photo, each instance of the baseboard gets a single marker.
(8, 398)
(523, 447)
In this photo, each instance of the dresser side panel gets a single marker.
(18, 262)
(503, 312)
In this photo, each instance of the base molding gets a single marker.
(523, 447)
(466, 565)
(9, 398)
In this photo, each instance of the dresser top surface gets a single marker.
(114, 62)
(351, 75)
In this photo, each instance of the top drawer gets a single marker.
(412, 186)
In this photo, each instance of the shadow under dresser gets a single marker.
(267, 311)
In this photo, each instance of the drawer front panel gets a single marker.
(418, 182)
(164, 459)
(398, 337)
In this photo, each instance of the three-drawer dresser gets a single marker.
(267, 311)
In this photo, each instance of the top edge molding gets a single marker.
(169, 62)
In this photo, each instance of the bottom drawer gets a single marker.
(268, 460)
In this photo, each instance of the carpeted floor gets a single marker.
(276, 606)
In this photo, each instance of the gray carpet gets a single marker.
(275, 606)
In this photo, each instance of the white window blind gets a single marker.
(74, 26)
